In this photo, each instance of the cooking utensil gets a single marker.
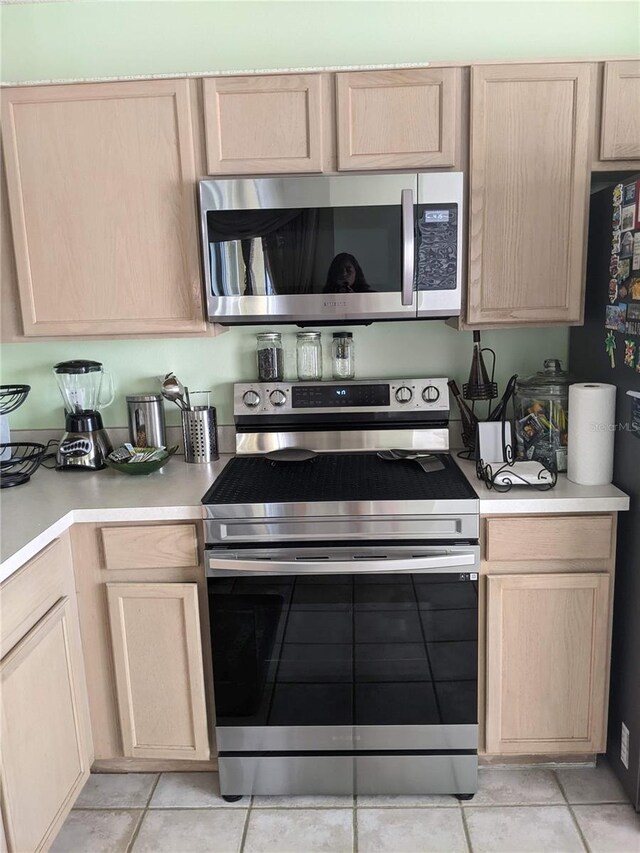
(173, 390)
(427, 461)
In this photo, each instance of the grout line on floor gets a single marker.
(245, 828)
(579, 829)
(354, 842)
(465, 828)
(153, 790)
(136, 830)
(561, 786)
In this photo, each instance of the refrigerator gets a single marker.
(607, 349)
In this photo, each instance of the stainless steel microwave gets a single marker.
(332, 249)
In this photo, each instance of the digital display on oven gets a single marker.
(329, 396)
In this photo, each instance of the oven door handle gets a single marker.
(225, 567)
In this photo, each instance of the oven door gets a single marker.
(349, 648)
(322, 249)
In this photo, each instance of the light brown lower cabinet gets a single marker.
(157, 654)
(46, 754)
(547, 663)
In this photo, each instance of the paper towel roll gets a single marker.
(592, 413)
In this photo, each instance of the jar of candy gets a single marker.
(541, 403)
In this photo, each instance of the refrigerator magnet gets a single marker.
(613, 290)
(634, 289)
(629, 193)
(632, 327)
(617, 195)
(624, 269)
(635, 260)
(628, 217)
(633, 312)
(626, 245)
(610, 348)
(630, 353)
(617, 217)
(614, 265)
(616, 317)
(616, 241)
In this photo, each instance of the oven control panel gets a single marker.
(373, 395)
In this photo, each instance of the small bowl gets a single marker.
(142, 467)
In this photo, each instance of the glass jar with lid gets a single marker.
(541, 403)
(309, 356)
(270, 357)
(343, 356)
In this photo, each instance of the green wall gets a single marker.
(51, 41)
(382, 350)
(43, 41)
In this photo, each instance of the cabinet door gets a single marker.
(101, 181)
(621, 111)
(157, 652)
(529, 176)
(266, 124)
(398, 119)
(45, 754)
(547, 646)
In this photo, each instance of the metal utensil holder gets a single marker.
(199, 433)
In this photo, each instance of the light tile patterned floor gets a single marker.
(516, 810)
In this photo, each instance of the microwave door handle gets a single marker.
(408, 246)
(221, 566)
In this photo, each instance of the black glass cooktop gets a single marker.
(336, 477)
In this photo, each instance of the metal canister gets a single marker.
(146, 420)
(200, 434)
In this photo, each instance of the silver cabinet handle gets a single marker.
(408, 248)
(445, 562)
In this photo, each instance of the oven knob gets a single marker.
(430, 394)
(404, 394)
(251, 399)
(278, 398)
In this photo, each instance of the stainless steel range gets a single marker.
(343, 594)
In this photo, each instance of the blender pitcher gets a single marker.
(85, 389)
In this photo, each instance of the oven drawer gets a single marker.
(344, 774)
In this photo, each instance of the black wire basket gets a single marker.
(22, 460)
(12, 397)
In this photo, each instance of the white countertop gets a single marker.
(565, 497)
(34, 514)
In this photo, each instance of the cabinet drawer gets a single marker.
(28, 594)
(588, 537)
(150, 546)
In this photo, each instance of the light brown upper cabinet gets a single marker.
(620, 139)
(529, 192)
(546, 660)
(398, 119)
(101, 180)
(262, 125)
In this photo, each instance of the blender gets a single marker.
(85, 443)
